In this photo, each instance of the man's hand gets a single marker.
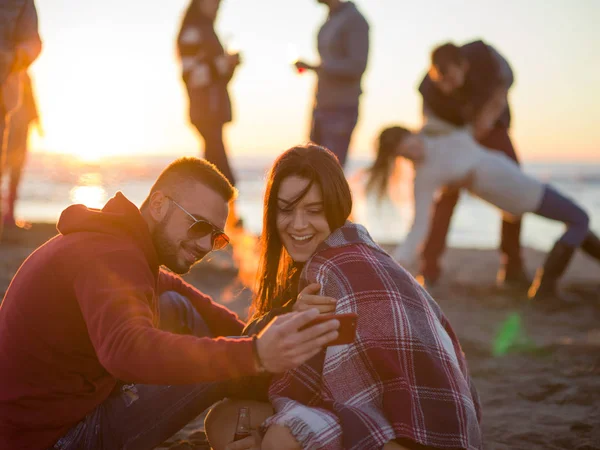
(301, 65)
(38, 126)
(22, 59)
(281, 346)
(234, 60)
(310, 298)
(248, 443)
(226, 63)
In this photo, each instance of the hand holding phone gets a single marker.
(347, 329)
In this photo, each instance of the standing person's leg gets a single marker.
(333, 128)
(16, 152)
(214, 148)
(141, 417)
(214, 151)
(512, 271)
(435, 244)
(557, 207)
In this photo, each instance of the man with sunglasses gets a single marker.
(468, 86)
(102, 349)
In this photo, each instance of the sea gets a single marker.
(51, 182)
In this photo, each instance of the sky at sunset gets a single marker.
(108, 79)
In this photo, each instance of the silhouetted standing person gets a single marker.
(343, 44)
(19, 46)
(17, 145)
(207, 69)
(468, 86)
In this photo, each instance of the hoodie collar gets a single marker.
(119, 217)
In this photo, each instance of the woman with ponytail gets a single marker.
(453, 159)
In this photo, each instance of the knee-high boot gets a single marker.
(544, 286)
(591, 245)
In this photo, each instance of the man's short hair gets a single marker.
(191, 169)
(445, 55)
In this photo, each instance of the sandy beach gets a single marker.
(537, 370)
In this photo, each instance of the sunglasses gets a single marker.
(201, 228)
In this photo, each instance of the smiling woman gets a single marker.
(301, 220)
(348, 395)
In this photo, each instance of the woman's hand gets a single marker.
(309, 298)
(251, 442)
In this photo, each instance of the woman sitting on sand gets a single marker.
(402, 384)
(453, 158)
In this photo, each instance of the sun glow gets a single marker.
(104, 102)
(111, 87)
(89, 191)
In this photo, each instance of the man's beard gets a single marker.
(166, 250)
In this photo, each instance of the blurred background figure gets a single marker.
(468, 86)
(20, 45)
(207, 69)
(343, 45)
(17, 146)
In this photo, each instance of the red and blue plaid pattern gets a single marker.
(405, 376)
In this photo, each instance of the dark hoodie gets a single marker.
(81, 312)
(488, 70)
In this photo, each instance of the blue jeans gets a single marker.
(332, 128)
(139, 416)
(556, 206)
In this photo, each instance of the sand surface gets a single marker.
(543, 392)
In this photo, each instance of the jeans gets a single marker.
(435, 245)
(555, 206)
(214, 148)
(332, 128)
(141, 417)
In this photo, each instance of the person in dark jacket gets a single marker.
(102, 349)
(343, 44)
(207, 69)
(468, 86)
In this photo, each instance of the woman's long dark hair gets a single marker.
(278, 275)
(385, 161)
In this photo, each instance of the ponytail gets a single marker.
(383, 167)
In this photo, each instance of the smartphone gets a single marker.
(347, 329)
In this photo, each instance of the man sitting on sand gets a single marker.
(102, 349)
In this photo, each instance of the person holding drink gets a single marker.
(343, 44)
(207, 69)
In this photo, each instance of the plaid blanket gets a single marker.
(405, 376)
